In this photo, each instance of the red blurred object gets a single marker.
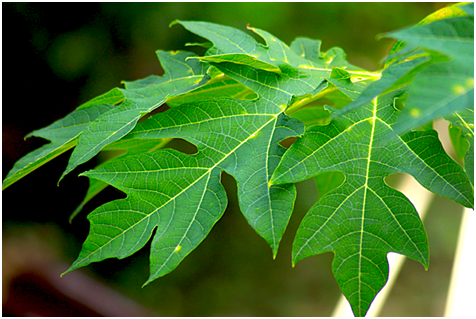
(42, 293)
(32, 286)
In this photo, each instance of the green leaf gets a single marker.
(189, 199)
(121, 148)
(460, 143)
(439, 81)
(463, 122)
(232, 45)
(396, 76)
(63, 135)
(312, 115)
(364, 219)
(220, 86)
(237, 104)
(442, 88)
(453, 37)
(141, 97)
(228, 133)
(437, 91)
(328, 181)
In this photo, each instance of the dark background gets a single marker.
(57, 56)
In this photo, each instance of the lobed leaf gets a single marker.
(364, 219)
(140, 98)
(189, 199)
(63, 135)
(237, 104)
(239, 137)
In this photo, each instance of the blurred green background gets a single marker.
(57, 56)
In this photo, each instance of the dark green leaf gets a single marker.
(363, 220)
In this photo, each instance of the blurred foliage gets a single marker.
(59, 55)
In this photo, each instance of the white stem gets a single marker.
(460, 301)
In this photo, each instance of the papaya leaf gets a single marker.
(463, 122)
(100, 123)
(364, 219)
(396, 76)
(189, 199)
(121, 148)
(141, 97)
(439, 81)
(63, 135)
(229, 44)
(237, 104)
(239, 137)
(220, 86)
(442, 88)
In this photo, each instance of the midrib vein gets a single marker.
(366, 187)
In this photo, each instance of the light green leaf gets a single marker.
(396, 76)
(467, 7)
(63, 135)
(141, 97)
(232, 45)
(364, 219)
(439, 81)
(312, 115)
(442, 88)
(453, 37)
(438, 90)
(220, 86)
(460, 143)
(309, 49)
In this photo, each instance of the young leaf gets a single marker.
(394, 77)
(364, 219)
(308, 73)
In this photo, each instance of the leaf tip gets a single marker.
(147, 282)
(380, 36)
(275, 251)
(176, 21)
(76, 212)
(67, 271)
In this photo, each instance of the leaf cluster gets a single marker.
(237, 104)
